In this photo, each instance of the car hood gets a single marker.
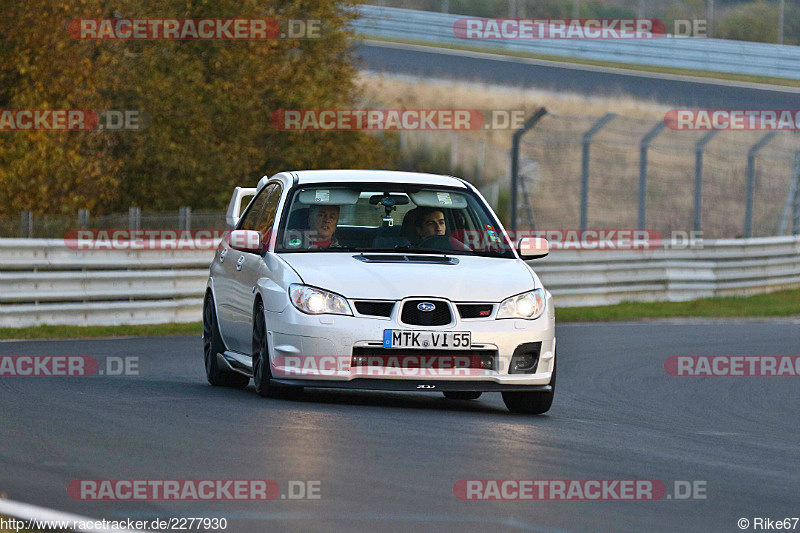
(473, 279)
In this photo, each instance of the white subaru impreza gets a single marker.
(363, 279)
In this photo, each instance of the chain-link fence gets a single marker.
(622, 172)
(28, 225)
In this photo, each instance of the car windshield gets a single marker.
(410, 219)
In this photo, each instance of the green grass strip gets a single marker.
(67, 332)
(775, 304)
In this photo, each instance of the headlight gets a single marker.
(318, 302)
(528, 305)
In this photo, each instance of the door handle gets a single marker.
(239, 262)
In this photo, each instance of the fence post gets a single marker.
(530, 123)
(751, 181)
(135, 218)
(587, 141)
(185, 218)
(481, 161)
(453, 151)
(643, 146)
(83, 218)
(698, 177)
(26, 227)
(796, 203)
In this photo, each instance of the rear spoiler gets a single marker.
(235, 206)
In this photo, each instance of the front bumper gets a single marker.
(295, 336)
(388, 384)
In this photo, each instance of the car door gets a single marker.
(226, 271)
(250, 267)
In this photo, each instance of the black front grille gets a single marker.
(408, 358)
(375, 308)
(474, 310)
(440, 315)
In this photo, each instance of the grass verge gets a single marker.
(592, 62)
(776, 304)
(66, 332)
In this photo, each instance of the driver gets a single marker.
(322, 221)
(430, 223)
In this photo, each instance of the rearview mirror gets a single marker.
(245, 240)
(533, 247)
(388, 200)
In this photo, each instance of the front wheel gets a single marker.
(531, 403)
(461, 395)
(262, 374)
(261, 371)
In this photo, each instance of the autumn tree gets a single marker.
(209, 105)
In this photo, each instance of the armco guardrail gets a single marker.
(44, 282)
(718, 55)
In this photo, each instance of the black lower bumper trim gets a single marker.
(410, 385)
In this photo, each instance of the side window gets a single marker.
(267, 218)
(251, 216)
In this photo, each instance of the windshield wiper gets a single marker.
(491, 253)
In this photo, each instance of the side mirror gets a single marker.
(533, 247)
(245, 240)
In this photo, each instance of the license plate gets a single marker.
(427, 340)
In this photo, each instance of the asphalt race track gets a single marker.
(426, 62)
(388, 461)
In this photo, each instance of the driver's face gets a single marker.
(323, 219)
(432, 224)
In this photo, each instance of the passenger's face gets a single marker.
(323, 219)
(432, 224)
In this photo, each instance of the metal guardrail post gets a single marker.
(185, 218)
(83, 218)
(643, 146)
(698, 177)
(751, 180)
(26, 226)
(135, 218)
(587, 141)
(530, 123)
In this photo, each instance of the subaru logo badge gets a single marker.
(426, 306)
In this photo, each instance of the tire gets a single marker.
(462, 395)
(531, 403)
(261, 368)
(212, 345)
